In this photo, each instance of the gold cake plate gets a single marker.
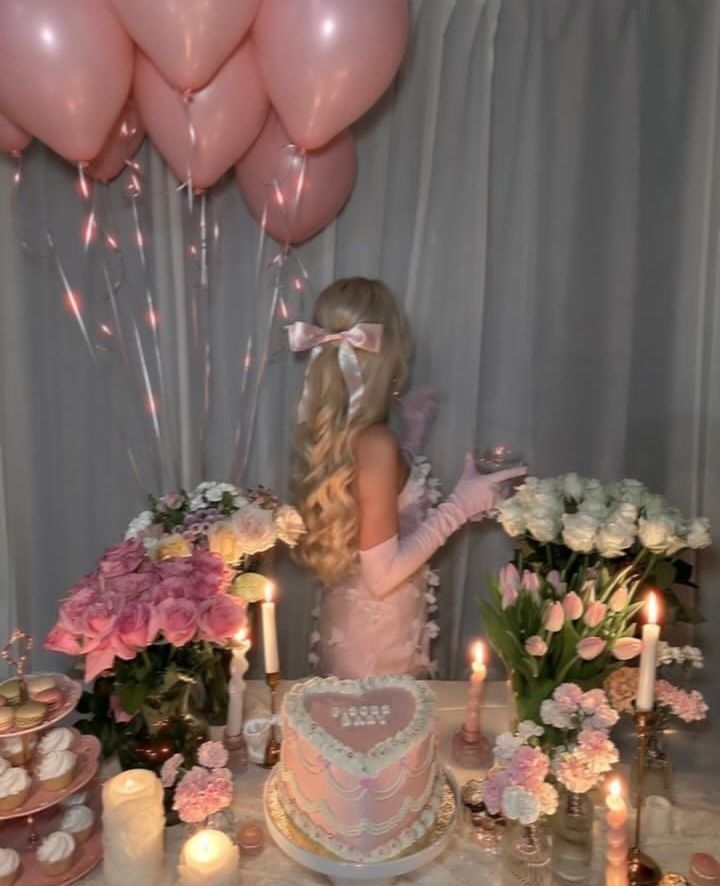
(298, 846)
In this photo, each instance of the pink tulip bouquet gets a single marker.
(547, 634)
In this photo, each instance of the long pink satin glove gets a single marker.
(388, 564)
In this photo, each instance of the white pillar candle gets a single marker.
(209, 858)
(645, 700)
(236, 690)
(133, 829)
(475, 693)
(269, 630)
(616, 868)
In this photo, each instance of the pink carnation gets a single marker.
(212, 755)
(573, 773)
(169, 770)
(201, 793)
(688, 706)
(568, 696)
(596, 750)
(528, 768)
(495, 783)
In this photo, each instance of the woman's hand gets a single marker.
(478, 493)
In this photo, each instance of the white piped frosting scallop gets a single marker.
(14, 745)
(54, 764)
(9, 862)
(4, 765)
(60, 739)
(56, 846)
(13, 781)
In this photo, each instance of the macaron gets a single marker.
(29, 714)
(10, 691)
(7, 719)
(51, 697)
(39, 684)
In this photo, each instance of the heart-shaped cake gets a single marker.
(358, 771)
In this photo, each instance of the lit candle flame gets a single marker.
(241, 636)
(478, 652)
(269, 592)
(652, 608)
(615, 787)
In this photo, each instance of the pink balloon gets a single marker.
(226, 116)
(121, 145)
(187, 40)
(12, 138)
(65, 71)
(301, 197)
(325, 63)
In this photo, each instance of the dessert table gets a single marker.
(696, 815)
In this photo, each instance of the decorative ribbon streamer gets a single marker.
(361, 337)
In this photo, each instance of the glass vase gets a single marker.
(526, 855)
(657, 779)
(572, 838)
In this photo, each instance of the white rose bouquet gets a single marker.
(582, 528)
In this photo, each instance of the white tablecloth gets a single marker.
(696, 815)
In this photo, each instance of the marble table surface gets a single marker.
(695, 815)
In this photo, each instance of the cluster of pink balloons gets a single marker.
(269, 85)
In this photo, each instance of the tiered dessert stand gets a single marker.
(301, 849)
(24, 828)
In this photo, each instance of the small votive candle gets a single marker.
(209, 858)
(616, 870)
(251, 839)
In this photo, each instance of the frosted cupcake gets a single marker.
(55, 854)
(77, 799)
(9, 866)
(18, 751)
(60, 739)
(14, 788)
(55, 770)
(78, 821)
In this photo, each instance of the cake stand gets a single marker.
(24, 827)
(301, 849)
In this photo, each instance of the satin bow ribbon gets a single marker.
(362, 337)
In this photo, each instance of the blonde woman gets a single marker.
(368, 506)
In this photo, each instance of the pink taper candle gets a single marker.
(475, 693)
(616, 853)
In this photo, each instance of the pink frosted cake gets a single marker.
(358, 772)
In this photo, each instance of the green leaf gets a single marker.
(132, 696)
(664, 573)
(677, 611)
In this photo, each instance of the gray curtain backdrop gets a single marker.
(540, 189)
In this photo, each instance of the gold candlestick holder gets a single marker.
(642, 869)
(272, 750)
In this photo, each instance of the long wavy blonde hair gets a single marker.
(324, 467)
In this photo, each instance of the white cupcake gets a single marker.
(19, 749)
(78, 821)
(55, 770)
(14, 788)
(78, 799)
(4, 765)
(60, 739)
(9, 865)
(55, 854)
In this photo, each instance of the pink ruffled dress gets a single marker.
(358, 635)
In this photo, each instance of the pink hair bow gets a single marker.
(362, 337)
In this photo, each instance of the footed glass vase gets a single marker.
(572, 838)
(657, 777)
(526, 855)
